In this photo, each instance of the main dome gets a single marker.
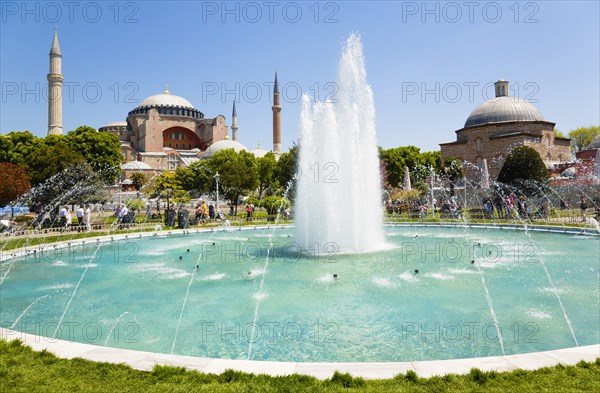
(503, 108)
(166, 99)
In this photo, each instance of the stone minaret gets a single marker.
(276, 119)
(234, 126)
(55, 81)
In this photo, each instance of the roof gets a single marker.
(503, 109)
(115, 124)
(222, 145)
(166, 99)
(135, 166)
(55, 48)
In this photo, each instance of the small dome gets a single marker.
(502, 109)
(222, 145)
(166, 99)
(135, 166)
(258, 152)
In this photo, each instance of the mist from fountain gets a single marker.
(339, 197)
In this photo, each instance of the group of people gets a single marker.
(84, 215)
(206, 212)
(121, 211)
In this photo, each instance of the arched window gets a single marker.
(548, 157)
(549, 141)
(560, 158)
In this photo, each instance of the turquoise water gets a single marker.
(130, 294)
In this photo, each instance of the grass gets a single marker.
(25, 370)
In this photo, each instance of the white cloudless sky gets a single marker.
(429, 63)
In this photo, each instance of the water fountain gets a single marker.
(497, 291)
(339, 190)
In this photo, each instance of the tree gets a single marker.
(454, 170)
(138, 179)
(76, 184)
(101, 150)
(273, 203)
(524, 169)
(50, 158)
(558, 134)
(15, 182)
(287, 166)
(198, 176)
(238, 173)
(581, 137)
(398, 158)
(267, 170)
(168, 180)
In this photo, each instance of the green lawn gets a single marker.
(24, 370)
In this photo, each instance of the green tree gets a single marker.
(581, 137)
(267, 174)
(273, 203)
(168, 181)
(50, 158)
(525, 170)
(76, 184)
(559, 134)
(101, 150)
(199, 176)
(138, 179)
(15, 182)
(454, 170)
(238, 173)
(287, 166)
(16, 146)
(398, 158)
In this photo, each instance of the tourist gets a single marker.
(68, 217)
(87, 216)
(148, 210)
(583, 207)
(211, 211)
(62, 216)
(198, 212)
(204, 210)
(231, 210)
(79, 213)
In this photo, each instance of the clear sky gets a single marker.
(429, 63)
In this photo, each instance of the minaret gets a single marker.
(234, 126)
(55, 81)
(276, 118)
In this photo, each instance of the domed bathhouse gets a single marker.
(497, 126)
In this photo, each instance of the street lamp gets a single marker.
(217, 177)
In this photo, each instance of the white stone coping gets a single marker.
(381, 370)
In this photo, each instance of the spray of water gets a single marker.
(339, 188)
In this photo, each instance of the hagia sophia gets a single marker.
(166, 131)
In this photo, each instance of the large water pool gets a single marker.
(251, 295)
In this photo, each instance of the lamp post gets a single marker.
(217, 177)
(432, 174)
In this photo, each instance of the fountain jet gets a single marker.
(339, 188)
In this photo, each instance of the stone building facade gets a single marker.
(499, 125)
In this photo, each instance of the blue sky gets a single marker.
(117, 54)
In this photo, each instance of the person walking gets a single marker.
(87, 218)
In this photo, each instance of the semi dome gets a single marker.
(166, 99)
(259, 153)
(503, 108)
(135, 166)
(222, 145)
(115, 124)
